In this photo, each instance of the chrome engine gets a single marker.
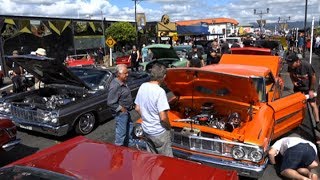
(209, 117)
(52, 102)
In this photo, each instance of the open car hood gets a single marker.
(205, 83)
(163, 51)
(48, 70)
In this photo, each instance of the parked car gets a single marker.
(68, 160)
(70, 99)
(122, 57)
(231, 40)
(8, 132)
(163, 54)
(79, 60)
(227, 114)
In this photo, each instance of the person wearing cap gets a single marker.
(298, 157)
(303, 78)
(41, 52)
(195, 58)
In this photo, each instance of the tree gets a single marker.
(122, 32)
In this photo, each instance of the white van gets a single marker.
(231, 40)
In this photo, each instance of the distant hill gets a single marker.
(296, 24)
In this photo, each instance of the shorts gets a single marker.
(295, 89)
(298, 156)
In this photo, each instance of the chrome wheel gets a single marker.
(85, 123)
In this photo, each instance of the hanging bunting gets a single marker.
(98, 26)
(91, 24)
(23, 25)
(9, 21)
(58, 26)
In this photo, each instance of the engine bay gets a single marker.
(211, 114)
(48, 98)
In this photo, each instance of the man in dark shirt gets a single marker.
(213, 56)
(195, 58)
(224, 47)
(303, 78)
(120, 101)
(17, 81)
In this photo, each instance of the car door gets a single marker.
(289, 113)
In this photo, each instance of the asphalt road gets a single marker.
(33, 142)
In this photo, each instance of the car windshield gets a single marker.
(31, 173)
(92, 77)
(259, 83)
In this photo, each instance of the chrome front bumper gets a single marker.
(39, 127)
(242, 169)
(11, 144)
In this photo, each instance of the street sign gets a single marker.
(175, 37)
(110, 42)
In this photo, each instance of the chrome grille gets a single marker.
(25, 114)
(193, 140)
(201, 144)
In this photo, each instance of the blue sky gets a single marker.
(240, 10)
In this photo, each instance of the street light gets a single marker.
(135, 19)
(260, 14)
(284, 22)
(305, 27)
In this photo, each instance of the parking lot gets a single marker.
(33, 142)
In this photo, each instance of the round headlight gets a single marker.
(138, 131)
(256, 155)
(7, 107)
(238, 152)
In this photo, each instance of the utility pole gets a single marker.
(305, 29)
(135, 20)
(283, 21)
(260, 14)
(103, 32)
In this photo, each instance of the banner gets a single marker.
(141, 20)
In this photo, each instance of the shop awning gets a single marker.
(193, 30)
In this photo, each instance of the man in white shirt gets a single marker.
(298, 157)
(152, 104)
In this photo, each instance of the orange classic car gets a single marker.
(227, 114)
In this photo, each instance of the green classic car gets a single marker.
(163, 54)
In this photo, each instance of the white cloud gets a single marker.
(241, 10)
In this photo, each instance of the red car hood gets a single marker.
(251, 50)
(199, 82)
(87, 159)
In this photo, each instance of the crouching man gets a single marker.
(298, 157)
